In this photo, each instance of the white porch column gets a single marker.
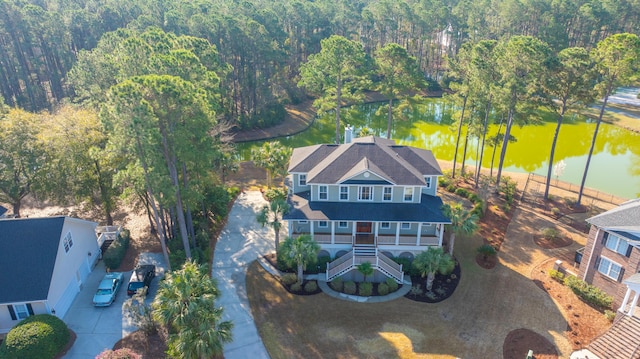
(290, 228)
(397, 233)
(634, 303)
(625, 300)
(419, 233)
(311, 227)
(440, 234)
(375, 231)
(333, 232)
(353, 232)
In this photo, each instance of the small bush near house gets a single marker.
(392, 284)
(383, 289)
(588, 293)
(610, 315)
(311, 286)
(115, 253)
(558, 276)
(462, 192)
(551, 233)
(275, 193)
(365, 289)
(40, 336)
(296, 287)
(123, 353)
(337, 284)
(486, 250)
(350, 287)
(289, 278)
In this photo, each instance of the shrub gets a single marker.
(444, 181)
(39, 336)
(462, 192)
(451, 188)
(276, 193)
(289, 278)
(337, 284)
(322, 263)
(556, 275)
(392, 284)
(478, 209)
(311, 286)
(610, 315)
(486, 250)
(296, 287)
(555, 211)
(508, 189)
(122, 353)
(350, 287)
(365, 289)
(551, 233)
(115, 253)
(383, 289)
(588, 293)
(416, 290)
(282, 263)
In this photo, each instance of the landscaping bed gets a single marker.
(443, 287)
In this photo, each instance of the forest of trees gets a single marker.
(265, 42)
(135, 98)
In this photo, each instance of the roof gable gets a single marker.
(400, 165)
(625, 217)
(28, 249)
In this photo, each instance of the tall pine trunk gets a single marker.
(593, 144)
(553, 149)
(455, 154)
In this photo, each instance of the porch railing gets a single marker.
(378, 261)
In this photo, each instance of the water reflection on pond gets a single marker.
(615, 166)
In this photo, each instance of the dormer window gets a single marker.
(428, 182)
(302, 179)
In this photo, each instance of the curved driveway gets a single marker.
(242, 240)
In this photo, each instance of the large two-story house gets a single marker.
(612, 254)
(366, 201)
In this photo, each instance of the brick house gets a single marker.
(612, 253)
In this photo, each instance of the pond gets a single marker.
(614, 168)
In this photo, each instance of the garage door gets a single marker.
(67, 298)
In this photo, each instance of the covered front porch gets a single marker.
(376, 233)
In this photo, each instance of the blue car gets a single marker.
(107, 290)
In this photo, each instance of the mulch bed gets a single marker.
(443, 287)
(562, 241)
(518, 343)
(150, 346)
(486, 262)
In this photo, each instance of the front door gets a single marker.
(364, 234)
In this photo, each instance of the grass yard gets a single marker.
(473, 323)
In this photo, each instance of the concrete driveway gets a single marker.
(96, 328)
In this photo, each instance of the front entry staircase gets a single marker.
(362, 253)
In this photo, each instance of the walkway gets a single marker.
(240, 243)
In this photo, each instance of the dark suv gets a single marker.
(141, 277)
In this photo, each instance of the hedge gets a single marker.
(114, 255)
(40, 336)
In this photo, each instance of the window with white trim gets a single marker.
(387, 193)
(408, 194)
(365, 193)
(21, 311)
(609, 268)
(323, 193)
(616, 244)
(405, 225)
(344, 193)
(385, 225)
(302, 179)
(323, 224)
(428, 182)
(343, 224)
(67, 242)
(303, 222)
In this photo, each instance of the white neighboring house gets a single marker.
(43, 264)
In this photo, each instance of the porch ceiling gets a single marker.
(427, 211)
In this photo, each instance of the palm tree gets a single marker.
(271, 215)
(366, 269)
(463, 222)
(184, 304)
(299, 251)
(432, 261)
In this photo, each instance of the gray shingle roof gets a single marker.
(625, 217)
(28, 249)
(401, 165)
(429, 210)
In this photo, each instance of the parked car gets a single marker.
(141, 277)
(107, 289)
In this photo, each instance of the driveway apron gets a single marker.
(241, 242)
